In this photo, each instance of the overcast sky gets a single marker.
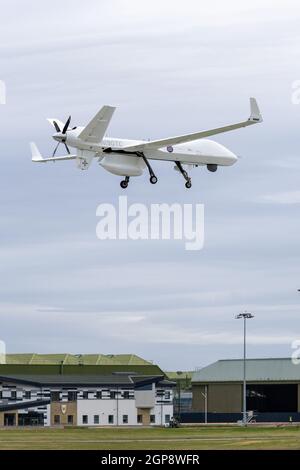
(170, 67)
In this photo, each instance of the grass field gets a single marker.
(152, 438)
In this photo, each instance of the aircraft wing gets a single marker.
(37, 157)
(255, 118)
(96, 128)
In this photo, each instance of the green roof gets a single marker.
(257, 370)
(78, 359)
(180, 375)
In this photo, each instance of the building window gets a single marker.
(13, 395)
(72, 396)
(140, 419)
(152, 419)
(56, 419)
(27, 395)
(126, 395)
(96, 419)
(70, 419)
(85, 419)
(125, 419)
(167, 418)
(85, 395)
(110, 419)
(55, 396)
(167, 395)
(113, 395)
(99, 395)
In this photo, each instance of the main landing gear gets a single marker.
(124, 183)
(188, 180)
(153, 178)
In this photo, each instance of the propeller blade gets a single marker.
(55, 149)
(66, 125)
(57, 128)
(67, 148)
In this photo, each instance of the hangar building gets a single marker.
(273, 386)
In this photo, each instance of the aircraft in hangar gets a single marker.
(127, 158)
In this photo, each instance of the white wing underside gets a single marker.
(95, 131)
(255, 117)
(37, 157)
(96, 128)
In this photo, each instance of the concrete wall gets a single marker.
(104, 408)
(221, 398)
(145, 398)
(161, 412)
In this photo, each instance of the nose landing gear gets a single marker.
(124, 183)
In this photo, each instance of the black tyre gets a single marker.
(153, 179)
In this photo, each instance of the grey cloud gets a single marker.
(170, 71)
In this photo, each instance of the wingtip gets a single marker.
(255, 114)
(35, 153)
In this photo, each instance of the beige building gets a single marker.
(273, 386)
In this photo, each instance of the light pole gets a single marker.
(245, 316)
(204, 394)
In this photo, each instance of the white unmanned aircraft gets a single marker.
(128, 158)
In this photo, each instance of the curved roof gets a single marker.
(257, 370)
(75, 359)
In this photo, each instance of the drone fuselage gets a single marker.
(125, 157)
(198, 152)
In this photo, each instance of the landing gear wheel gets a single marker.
(153, 179)
(184, 173)
(124, 184)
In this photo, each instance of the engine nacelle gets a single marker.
(212, 167)
(123, 165)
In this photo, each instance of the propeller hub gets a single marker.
(59, 137)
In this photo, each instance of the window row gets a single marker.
(72, 396)
(13, 395)
(111, 419)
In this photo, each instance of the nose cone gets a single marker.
(231, 156)
(228, 155)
